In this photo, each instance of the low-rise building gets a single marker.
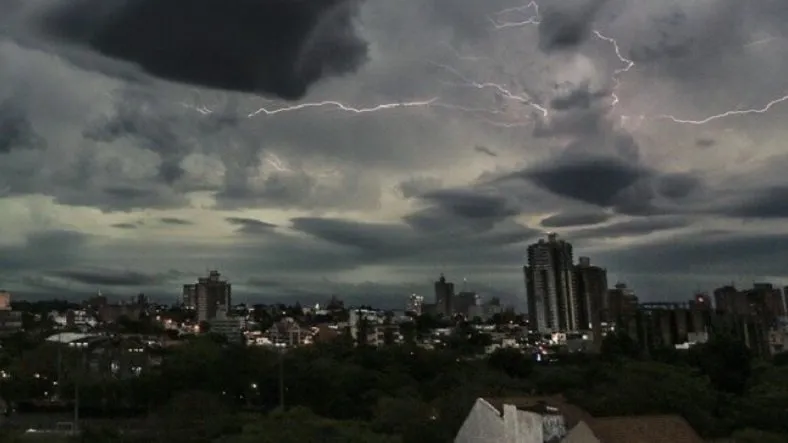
(553, 420)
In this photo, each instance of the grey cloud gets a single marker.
(485, 150)
(632, 228)
(277, 48)
(44, 249)
(677, 186)
(578, 97)
(144, 119)
(175, 221)
(570, 219)
(771, 202)
(590, 179)
(110, 277)
(705, 142)
(471, 204)
(731, 256)
(16, 130)
(251, 225)
(125, 226)
(348, 189)
(678, 32)
(566, 24)
(417, 186)
(401, 243)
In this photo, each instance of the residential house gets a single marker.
(553, 420)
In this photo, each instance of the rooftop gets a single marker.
(634, 429)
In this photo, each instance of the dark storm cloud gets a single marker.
(141, 117)
(250, 225)
(570, 219)
(471, 204)
(297, 188)
(566, 24)
(676, 34)
(677, 186)
(416, 186)
(175, 221)
(274, 47)
(44, 249)
(16, 130)
(391, 243)
(127, 198)
(125, 226)
(771, 202)
(730, 256)
(485, 150)
(109, 277)
(705, 142)
(590, 179)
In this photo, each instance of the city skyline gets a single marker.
(463, 135)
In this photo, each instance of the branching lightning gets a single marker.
(529, 16)
(725, 114)
(343, 107)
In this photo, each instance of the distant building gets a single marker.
(444, 293)
(189, 296)
(621, 302)
(5, 300)
(591, 292)
(10, 320)
(553, 420)
(763, 301)
(466, 303)
(208, 296)
(552, 304)
(415, 303)
(229, 327)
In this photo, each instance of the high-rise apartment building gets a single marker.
(552, 305)
(591, 293)
(189, 297)
(763, 301)
(5, 300)
(444, 293)
(621, 303)
(208, 296)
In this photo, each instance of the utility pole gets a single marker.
(76, 391)
(282, 378)
(76, 406)
(280, 347)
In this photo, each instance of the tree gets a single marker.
(619, 345)
(511, 362)
(193, 417)
(300, 425)
(726, 361)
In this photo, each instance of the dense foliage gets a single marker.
(207, 391)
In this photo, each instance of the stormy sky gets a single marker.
(312, 147)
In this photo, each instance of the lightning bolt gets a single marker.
(343, 107)
(274, 160)
(731, 113)
(529, 16)
(535, 19)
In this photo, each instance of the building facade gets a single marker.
(208, 296)
(591, 292)
(444, 293)
(552, 303)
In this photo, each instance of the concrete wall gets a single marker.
(483, 424)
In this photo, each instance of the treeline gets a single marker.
(207, 391)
